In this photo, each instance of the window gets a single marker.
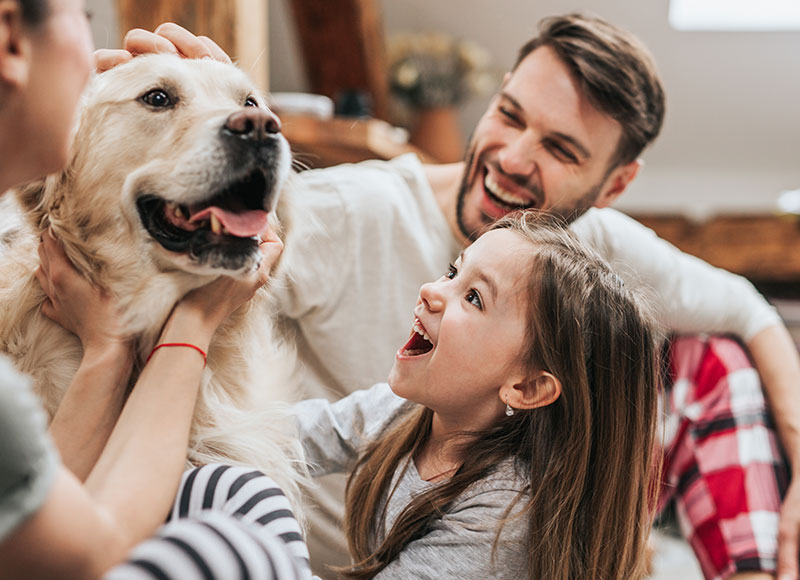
(734, 14)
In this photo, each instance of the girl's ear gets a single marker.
(538, 391)
(14, 45)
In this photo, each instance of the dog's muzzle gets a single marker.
(223, 230)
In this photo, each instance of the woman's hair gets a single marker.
(589, 456)
(34, 12)
(616, 72)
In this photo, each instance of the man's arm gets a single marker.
(691, 296)
(776, 358)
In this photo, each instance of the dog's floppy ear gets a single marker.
(29, 197)
(33, 199)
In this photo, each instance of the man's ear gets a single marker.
(14, 45)
(616, 182)
(540, 390)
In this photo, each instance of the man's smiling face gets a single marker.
(540, 144)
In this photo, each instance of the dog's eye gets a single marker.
(251, 102)
(157, 98)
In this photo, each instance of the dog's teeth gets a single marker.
(216, 226)
(178, 212)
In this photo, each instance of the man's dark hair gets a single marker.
(616, 72)
(34, 12)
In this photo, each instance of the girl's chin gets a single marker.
(398, 385)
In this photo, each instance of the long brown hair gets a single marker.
(589, 456)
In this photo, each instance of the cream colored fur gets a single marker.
(122, 148)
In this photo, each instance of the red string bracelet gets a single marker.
(186, 344)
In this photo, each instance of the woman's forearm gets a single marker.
(139, 470)
(90, 407)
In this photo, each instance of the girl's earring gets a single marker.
(509, 409)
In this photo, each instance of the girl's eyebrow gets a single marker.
(482, 276)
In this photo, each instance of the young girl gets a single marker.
(514, 438)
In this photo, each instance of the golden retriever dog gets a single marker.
(176, 167)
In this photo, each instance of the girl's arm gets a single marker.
(334, 434)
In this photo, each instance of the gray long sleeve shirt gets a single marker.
(460, 544)
(28, 460)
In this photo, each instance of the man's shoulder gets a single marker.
(608, 227)
(371, 194)
(373, 177)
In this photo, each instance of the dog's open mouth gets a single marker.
(220, 232)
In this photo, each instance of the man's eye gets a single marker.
(474, 298)
(509, 114)
(157, 98)
(451, 272)
(251, 102)
(561, 152)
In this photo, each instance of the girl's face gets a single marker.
(469, 333)
(61, 63)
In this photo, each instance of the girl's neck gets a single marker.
(440, 455)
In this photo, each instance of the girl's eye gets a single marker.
(474, 298)
(451, 272)
(157, 98)
(251, 102)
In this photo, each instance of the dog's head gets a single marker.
(181, 158)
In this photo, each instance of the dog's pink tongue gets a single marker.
(242, 225)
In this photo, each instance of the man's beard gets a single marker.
(470, 176)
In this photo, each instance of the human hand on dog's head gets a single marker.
(168, 38)
(214, 302)
(74, 302)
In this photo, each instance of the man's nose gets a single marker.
(518, 156)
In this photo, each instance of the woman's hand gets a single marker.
(214, 302)
(168, 38)
(74, 302)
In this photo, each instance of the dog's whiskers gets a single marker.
(298, 164)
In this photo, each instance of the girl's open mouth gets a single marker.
(419, 343)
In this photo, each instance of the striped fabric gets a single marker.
(723, 466)
(227, 523)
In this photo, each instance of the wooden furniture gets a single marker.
(325, 142)
(343, 50)
(763, 248)
(238, 26)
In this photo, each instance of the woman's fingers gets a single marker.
(168, 38)
(50, 312)
(44, 263)
(44, 281)
(48, 309)
(187, 43)
(271, 247)
(216, 51)
(139, 41)
(107, 58)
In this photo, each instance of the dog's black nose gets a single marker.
(252, 124)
